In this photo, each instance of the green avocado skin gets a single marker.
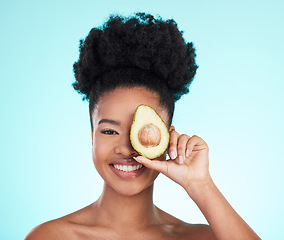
(146, 115)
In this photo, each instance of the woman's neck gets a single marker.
(121, 211)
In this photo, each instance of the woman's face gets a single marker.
(111, 147)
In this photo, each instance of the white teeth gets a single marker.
(128, 168)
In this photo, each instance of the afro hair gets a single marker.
(135, 51)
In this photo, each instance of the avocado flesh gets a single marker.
(149, 135)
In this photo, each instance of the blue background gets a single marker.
(235, 105)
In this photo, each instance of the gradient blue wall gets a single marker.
(235, 104)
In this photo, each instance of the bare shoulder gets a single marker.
(62, 228)
(197, 231)
(55, 229)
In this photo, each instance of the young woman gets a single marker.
(126, 63)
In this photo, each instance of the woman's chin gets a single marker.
(131, 189)
(129, 184)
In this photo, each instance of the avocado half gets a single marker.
(149, 134)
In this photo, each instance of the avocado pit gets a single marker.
(149, 135)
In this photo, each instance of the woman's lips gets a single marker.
(127, 170)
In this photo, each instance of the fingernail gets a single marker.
(137, 160)
(173, 155)
(187, 153)
(180, 159)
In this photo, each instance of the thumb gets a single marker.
(157, 165)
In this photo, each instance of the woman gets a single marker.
(126, 63)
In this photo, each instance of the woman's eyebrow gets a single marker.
(109, 121)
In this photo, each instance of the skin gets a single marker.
(125, 209)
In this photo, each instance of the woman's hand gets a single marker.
(188, 167)
(188, 161)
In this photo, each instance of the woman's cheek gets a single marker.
(99, 149)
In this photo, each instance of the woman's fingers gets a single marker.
(196, 143)
(160, 166)
(182, 147)
(172, 149)
(178, 150)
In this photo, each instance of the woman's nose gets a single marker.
(125, 148)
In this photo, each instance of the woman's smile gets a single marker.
(127, 168)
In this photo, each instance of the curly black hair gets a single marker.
(135, 51)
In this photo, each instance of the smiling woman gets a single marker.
(127, 63)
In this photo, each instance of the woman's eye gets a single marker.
(109, 132)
